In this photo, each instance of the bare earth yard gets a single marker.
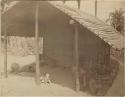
(62, 81)
(20, 85)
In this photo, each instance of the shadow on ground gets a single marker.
(58, 75)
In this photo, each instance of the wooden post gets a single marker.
(79, 3)
(76, 54)
(0, 29)
(43, 48)
(95, 8)
(64, 1)
(76, 58)
(37, 44)
(5, 48)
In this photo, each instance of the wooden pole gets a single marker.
(95, 8)
(0, 29)
(79, 3)
(37, 43)
(5, 48)
(64, 1)
(76, 58)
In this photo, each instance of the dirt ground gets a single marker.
(24, 84)
(62, 81)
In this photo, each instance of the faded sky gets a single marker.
(104, 6)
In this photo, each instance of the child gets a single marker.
(45, 79)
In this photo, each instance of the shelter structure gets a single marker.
(69, 35)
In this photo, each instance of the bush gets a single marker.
(15, 68)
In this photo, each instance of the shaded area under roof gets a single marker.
(20, 19)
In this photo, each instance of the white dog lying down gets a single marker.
(45, 79)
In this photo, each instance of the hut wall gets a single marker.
(58, 40)
(92, 50)
(59, 44)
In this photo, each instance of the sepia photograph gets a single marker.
(70, 48)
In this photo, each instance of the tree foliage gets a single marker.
(3, 2)
(116, 20)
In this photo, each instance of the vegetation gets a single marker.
(3, 3)
(98, 78)
(116, 20)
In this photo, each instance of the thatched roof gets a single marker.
(98, 27)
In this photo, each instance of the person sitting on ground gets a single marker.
(45, 79)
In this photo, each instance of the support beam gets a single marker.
(64, 1)
(95, 8)
(0, 30)
(76, 54)
(76, 58)
(5, 48)
(79, 3)
(37, 43)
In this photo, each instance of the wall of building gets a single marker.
(92, 49)
(58, 39)
(59, 42)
